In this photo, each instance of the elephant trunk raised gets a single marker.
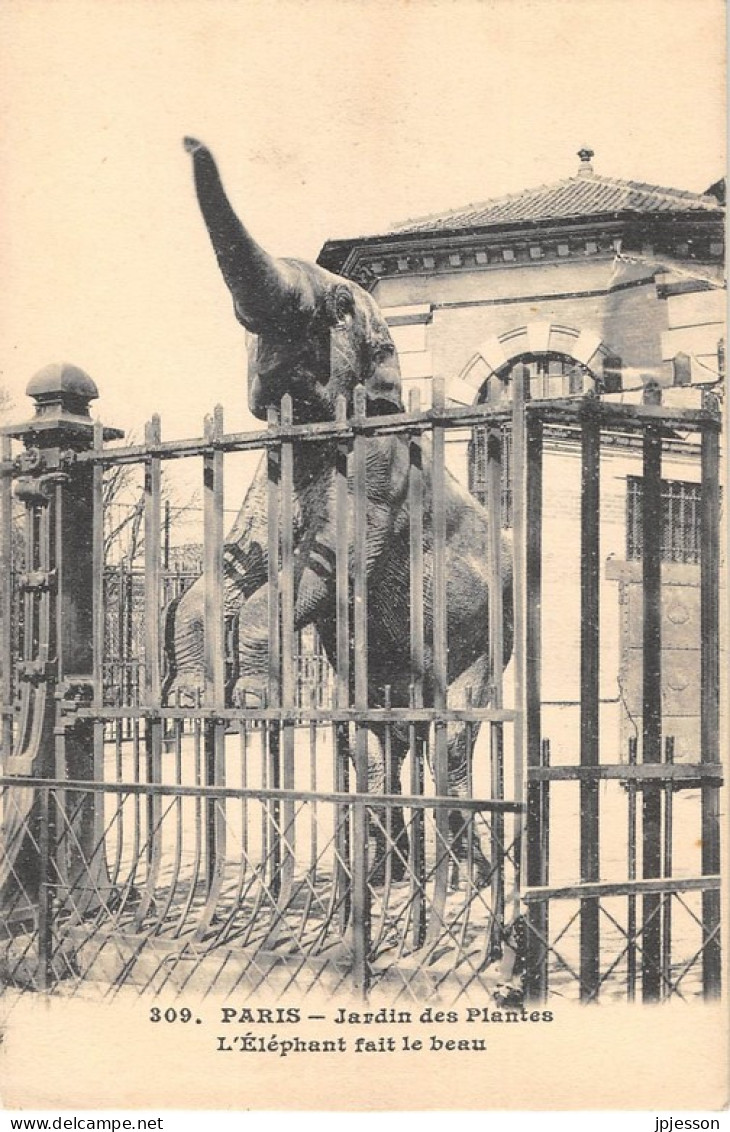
(265, 290)
(292, 307)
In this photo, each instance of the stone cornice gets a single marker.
(682, 237)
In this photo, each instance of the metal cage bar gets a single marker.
(214, 664)
(710, 700)
(341, 776)
(440, 664)
(6, 598)
(417, 739)
(536, 864)
(494, 479)
(590, 648)
(273, 687)
(360, 912)
(288, 648)
(651, 709)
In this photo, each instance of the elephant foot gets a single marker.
(480, 872)
(468, 853)
(248, 695)
(186, 690)
(388, 854)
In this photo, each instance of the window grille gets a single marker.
(680, 520)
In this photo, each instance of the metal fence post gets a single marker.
(360, 912)
(45, 893)
(710, 691)
(6, 600)
(536, 874)
(590, 667)
(652, 710)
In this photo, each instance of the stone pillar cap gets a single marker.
(62, 393)
(62, 379)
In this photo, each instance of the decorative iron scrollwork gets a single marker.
(37, 489)
(75, 693)
(29, 461)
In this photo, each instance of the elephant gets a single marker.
(291, 308)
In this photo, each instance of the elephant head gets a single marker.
(317, 335)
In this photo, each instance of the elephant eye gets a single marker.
(340, 303)
(383, 350)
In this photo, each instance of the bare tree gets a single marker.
(6, 401)
(124, 504)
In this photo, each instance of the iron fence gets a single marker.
(250, 836)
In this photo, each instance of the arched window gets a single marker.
(547, 375)
(544, 375)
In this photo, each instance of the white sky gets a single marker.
(328, 118)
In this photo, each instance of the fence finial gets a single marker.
(62, 393)
(62, 388)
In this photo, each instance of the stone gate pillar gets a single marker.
(54, 673)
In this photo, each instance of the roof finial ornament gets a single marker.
(585, 168)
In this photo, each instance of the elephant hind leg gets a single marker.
(470, 689)
(389, 843)
(184, 647)
(169, 614)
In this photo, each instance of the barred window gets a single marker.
(680, 520)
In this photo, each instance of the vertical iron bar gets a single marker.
(360, 888)
(166, 546)
(519, 575)
(536, 873)
(440, 662)
(151, 675)
(288, 648)
(667, 872)
(214, 659)
(121, 583)
(45, 893)
(417, 830)
(98, 615)
(589, 697)
(6, 600)
(313, 778)
(342, 688)
(631, 909)
(131, 699)
(97, 596)
(710, 697)
(152, 682)
(652, 711)
(545, 807)
(494, 472)
(273, 693)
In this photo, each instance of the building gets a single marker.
(588, 282)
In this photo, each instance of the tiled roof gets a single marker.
(575, 197)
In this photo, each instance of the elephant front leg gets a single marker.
(245, 570)
(185, 625)
(470, 689)
(389, 842)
